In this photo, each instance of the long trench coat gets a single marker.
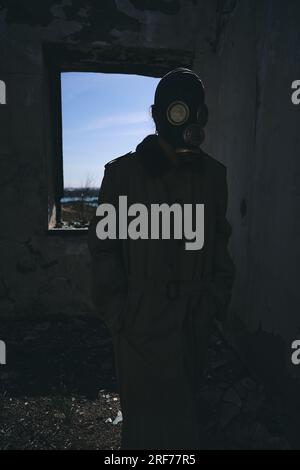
(159, 299)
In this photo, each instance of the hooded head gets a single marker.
(179, 109)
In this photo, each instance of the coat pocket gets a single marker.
(118, 309)
(212, 306)
(131, 310)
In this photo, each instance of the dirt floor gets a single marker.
(58, 391)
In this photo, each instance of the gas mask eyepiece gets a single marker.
(178, 113)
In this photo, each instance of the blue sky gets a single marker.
(104, 116)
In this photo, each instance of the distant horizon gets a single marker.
(103, 116)
(75, 188)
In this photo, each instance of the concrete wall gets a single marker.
(257, 59)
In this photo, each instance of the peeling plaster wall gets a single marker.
(42, 274)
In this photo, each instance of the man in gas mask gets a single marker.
(158, 299)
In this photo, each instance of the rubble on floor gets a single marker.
(59, 391)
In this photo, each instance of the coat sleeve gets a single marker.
(224, 269)
(109, 287)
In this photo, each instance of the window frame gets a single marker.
(107, 59)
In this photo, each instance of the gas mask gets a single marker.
(180, 110)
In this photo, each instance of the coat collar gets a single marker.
(156, 162)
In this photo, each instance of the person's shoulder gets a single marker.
(121, 161)
(213, 164)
